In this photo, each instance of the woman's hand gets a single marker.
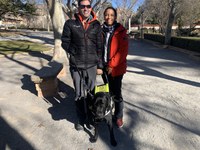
(99, 71)
(109, 69)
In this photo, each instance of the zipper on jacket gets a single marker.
(86, 48)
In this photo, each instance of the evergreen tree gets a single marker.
(16, 7)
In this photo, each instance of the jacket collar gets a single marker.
(92, 17)
(118, 28)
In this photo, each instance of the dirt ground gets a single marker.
(161, 91)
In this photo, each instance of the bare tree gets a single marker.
(189, 16)
(165, 12)
(99, 6)
(57, 18)
(125, 10)
(173, 11)
(156, 11)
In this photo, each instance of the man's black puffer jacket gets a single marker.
(84, 46)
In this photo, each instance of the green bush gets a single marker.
(134, 34)
(155, 37)
(179, 42)
(192, 44)
(186, 43)
(22, 26)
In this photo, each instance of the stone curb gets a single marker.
(193, 55)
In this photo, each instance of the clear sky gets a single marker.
(139, 2)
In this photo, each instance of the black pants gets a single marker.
(115, 85)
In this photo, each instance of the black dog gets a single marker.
(100, 109)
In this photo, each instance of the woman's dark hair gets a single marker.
(115, 11)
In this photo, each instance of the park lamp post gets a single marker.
(141, 24)
(129, 25)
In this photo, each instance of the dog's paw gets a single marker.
(113, 143)
(90, 127)
(93, 139)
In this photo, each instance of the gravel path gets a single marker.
(34, 36)
(161, 90)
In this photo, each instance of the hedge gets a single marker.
(155, 37)
(185, 43)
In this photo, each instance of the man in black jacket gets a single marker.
(82, 40)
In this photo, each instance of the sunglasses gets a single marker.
(83, 6)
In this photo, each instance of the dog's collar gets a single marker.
(108, 109)
(106, 113)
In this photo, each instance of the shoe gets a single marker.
(119, 123)
(78, 127)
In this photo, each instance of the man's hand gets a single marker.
(99, 71)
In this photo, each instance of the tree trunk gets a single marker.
(48, 23)
(58, 20)
(168, 30)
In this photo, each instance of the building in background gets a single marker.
(39, 21)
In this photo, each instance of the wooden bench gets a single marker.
(46, 81)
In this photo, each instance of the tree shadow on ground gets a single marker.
(184, 130)
(124, 136)
(11, 58)
(9, 137)
(168, 58)
(44, 39)
(63, 106)
(152, 72)
(146, 107)
(151, 49)
(39, 55)
(44, 36)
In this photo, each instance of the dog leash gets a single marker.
(86, 91)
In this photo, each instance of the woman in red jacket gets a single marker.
(115, 53)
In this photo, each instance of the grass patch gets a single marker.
(7, 33)
(10, 47)
(191, 38)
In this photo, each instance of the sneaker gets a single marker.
(119, 123)
(78, 127)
